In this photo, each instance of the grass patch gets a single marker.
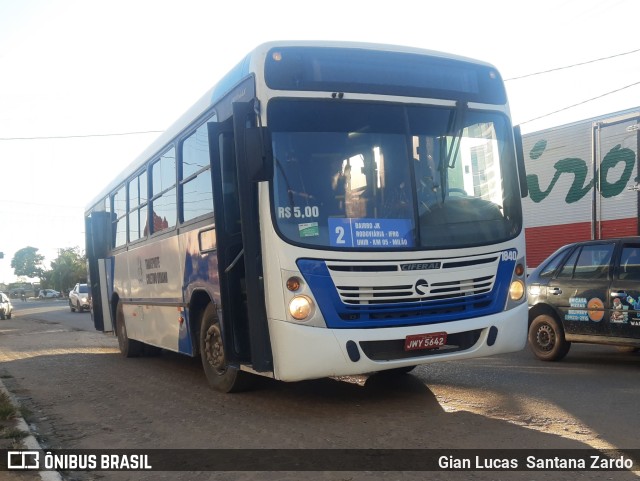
(13, 433)
(7, 409)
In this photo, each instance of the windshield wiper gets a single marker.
(456, 127)
(286, 181)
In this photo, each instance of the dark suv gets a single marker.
(586, 292)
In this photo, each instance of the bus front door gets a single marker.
(244, 323)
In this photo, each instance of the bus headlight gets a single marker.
(516, 290)
(300, 307)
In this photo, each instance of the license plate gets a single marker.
(425, 341)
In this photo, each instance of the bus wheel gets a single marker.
(128, 347)
(220, 375)
(546, 339)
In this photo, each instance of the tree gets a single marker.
(27, 262)
(67, 269)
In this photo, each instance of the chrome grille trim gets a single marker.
(459, 279)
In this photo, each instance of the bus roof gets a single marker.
(244, 68)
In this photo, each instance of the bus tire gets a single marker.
(128, 347)
(220, 375)
(546, 339)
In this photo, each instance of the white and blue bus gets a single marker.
(326, 209)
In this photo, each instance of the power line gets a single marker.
(573, 65)
(506, 80)
(82, 136)
(580, 103)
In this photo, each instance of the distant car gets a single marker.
(586, 292)
(79, 298)
(6, 309)
(48, 294)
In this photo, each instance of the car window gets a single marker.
(567, 270)
(552, 264)
(630, 263)
(589, 262)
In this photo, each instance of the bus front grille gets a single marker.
(394, 293)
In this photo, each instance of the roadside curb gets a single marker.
(30, 442)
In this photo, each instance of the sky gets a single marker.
(86, 85)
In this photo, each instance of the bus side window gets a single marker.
(197, 191)
(163, 203)
(119, 216)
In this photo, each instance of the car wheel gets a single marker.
(128, 347)
(546, 338)
(73, 309)
(220, 375)
(9, 315)
(2, 316)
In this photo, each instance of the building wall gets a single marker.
(567, 202)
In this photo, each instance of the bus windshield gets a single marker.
(354, 175)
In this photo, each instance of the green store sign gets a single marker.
(578, 168)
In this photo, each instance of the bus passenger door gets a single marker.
(239, 246)
(97, 242)
(230, 250)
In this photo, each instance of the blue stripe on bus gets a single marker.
(340, 315)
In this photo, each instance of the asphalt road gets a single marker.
(83, 395)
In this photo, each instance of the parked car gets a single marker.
(79, 298)
(48, 294)
(586, 292)
(6, 309)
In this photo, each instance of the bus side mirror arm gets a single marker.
(522, 172)
(259, 153)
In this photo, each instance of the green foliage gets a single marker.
(27, 262)
(66, 270)
(7, 409)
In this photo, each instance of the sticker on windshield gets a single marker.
(309, 229)
(376, 233)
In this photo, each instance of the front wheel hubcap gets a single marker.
(214, 349)
(545, 338)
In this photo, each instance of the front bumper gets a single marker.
(302, 352)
